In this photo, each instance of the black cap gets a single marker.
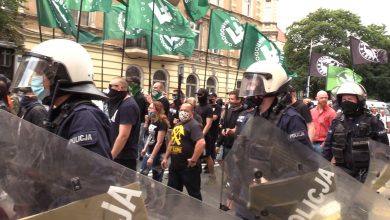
(202, 92)
(213, 94)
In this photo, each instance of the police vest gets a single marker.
(352, 139)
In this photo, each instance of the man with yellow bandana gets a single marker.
(186, 145)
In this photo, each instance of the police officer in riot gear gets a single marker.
(59, 72)
(347, 142)
(265, 86)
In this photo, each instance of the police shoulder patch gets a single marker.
(84, 138)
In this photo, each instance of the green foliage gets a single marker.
(329, 31)
(9, 21)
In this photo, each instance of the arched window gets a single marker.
(211, 85)
(160, 76)
(133, 71)
(191, 85)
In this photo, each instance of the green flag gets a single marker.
(114, 24)
(164, 44)
(196, 9)
(338, 75)
(167, 18)
(58, 12)
(45, 14)
(226, 31)
(89, 5)
(257, 47)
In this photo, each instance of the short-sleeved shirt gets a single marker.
(153, 129)
(303, 110)
(183, 139)
(127, 113)
(88, 127)
(322, 120)
(205, 111)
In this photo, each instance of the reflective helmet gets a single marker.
(65, 64)
(352, 88)
(264, 78)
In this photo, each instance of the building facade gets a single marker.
(220, 75)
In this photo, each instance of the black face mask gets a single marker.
(252, 102)
(115, 99)
(202, 100)
(349, 108)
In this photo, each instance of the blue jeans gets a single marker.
(317, 147)
(157, 171)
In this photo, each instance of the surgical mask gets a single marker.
(349, 108)
(38, 88)
(151, 114)
(184, 116)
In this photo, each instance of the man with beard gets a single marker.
(206, 112)
(125, 123)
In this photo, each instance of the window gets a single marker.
(160, 76)
(238, 84)
(191, 85)
(134, 71)
(138, 42)
(211, 85)
(214, 51)
(217, 2)
(247, 7)
(6, 56)
(196, 27)
(87, 18)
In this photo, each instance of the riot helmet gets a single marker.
(265, 79)
(352, 88)
(57, 67)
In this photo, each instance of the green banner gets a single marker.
(167, 18)
(89, 5)
(338, 75)
(257, 47)
(57, 10)
(114, 24)
(226, 31)
(196, 9)
(164, 44)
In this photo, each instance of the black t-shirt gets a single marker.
(205, 111)
(153, 130)
(127, 113)
(217, 109)
(142, 105)
(184, 137)
(303, 110)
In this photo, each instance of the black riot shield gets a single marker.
(273, 177)
(43, 176)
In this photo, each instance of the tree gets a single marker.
(9, 23)
(329, 31)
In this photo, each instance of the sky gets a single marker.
(370, 11)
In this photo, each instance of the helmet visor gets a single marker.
(252, 84)
(32, 66)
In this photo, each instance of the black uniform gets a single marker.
(347, 142)
(83, 123)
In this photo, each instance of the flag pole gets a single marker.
(124, 38)
(79, 21)
(101, 83)
(207, 50)
(150, 53)
(39, 20)
(308, 75)
(54, 33)
(353, 65)
(239, 61)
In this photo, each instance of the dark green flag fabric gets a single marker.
(57, 10)
(114, 24)
(196, 9)
(167, 18)
(89, 5)
(338, 75)
(226, 31)
(165, 44)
